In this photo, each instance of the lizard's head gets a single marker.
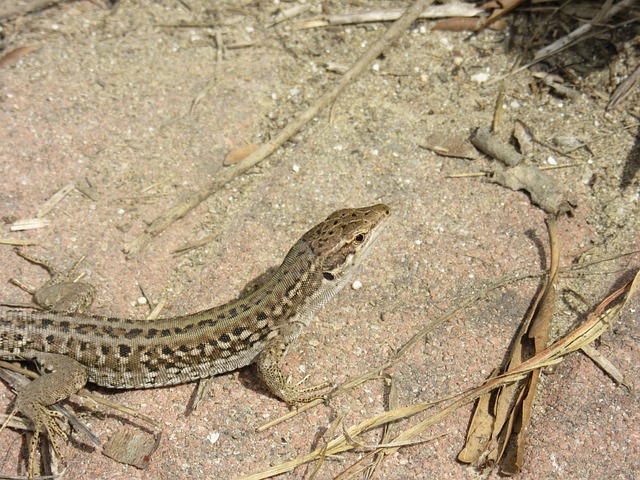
(344, 238)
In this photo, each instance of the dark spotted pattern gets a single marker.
(126, 353)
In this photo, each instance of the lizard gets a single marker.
(72, 348)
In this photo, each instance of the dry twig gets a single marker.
(178, 211)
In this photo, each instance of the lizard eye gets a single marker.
(359, 238)
(329, 276)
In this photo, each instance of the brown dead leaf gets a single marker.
(450, 145)
(502, 7)
(479, 434)
(500, 418)
(238, 154)
(131, 448)
(522, 133)
(14, 55)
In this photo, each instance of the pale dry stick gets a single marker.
(486, 174)
(54, 200)
(17, 242)
(178, 211)
(451, 9)
(288, 14)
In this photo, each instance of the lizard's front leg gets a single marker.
(269, 365)
(61, 377)
(62, 292)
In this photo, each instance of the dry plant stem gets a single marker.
(323, 451)
(292, 413)
(339, 444)
(17, 242)
(226, 175)
(452, 9)
(624, 88)
(490, 144)
(608, 367)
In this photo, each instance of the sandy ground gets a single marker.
(144, 113)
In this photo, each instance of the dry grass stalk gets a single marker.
(591, 329)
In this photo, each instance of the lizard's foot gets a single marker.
(270, 371)
(63, 377)
(44, 420)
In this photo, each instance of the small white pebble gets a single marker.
(551, 160)
(141, 301)
(356, 285)
(418, 242)
(375, 151)
(376, 67)
(295, 168)
(213, 437)
(480, 77)
(121, 211)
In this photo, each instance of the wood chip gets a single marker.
(238, 154)
(29, 224)
(450, 145)
(131, 448)
(14, 55)
(17, 242)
